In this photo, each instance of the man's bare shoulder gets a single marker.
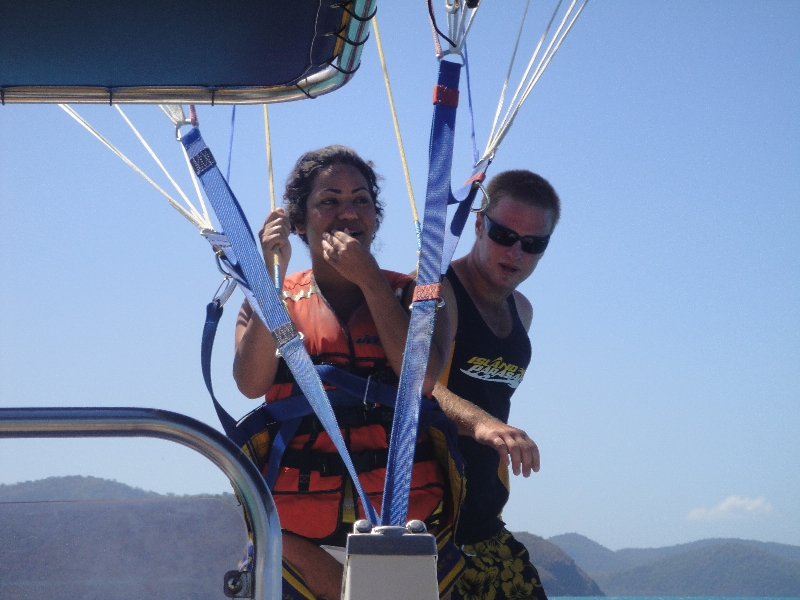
(524, 309)
(449, 297)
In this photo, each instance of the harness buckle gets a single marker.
(284, 334)
(429, 291)
(367, 405)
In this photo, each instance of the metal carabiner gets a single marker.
(453, 6)
(366, 394)
(222, 295)
(219, 255)
(178, 128)
(486, 195)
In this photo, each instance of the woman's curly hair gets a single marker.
(301, 180)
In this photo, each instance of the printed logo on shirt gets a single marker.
(495, 371)
(372, 340)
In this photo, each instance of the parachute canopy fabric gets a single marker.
(189, 51)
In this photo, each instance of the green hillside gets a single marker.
(559, 574)
(97, 539)
(89, 538)
(84, 537)
(723, 569)
(641, 556)
(589, 555)
(73, 487)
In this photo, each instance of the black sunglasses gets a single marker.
(532, 244)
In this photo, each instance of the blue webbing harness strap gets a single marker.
(464, 197)
(426, 298)
(289, 343)
(466, 194)
(352, 390)
(213, 315)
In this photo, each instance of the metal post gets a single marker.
(166, 425)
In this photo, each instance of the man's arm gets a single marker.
(513, 445)
(524, 309)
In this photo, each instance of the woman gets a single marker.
(352, 315)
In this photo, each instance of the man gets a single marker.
(490, 353)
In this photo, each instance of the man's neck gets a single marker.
(483, 292)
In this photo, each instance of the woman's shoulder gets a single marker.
(397, 280)
(298, 279)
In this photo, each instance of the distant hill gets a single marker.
(85, 537)
(90, 538)
(711, 567)
(95, 539)
(723, 569)
(73, 487)
(589, 555)
(559, 573)
(79, 487)
(642, 556)
(595, 558)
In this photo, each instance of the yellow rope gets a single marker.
(276, 259)
(396, 127)
(269, 160)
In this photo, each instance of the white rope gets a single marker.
(193, 177)
(186, 214)
(508, 74)
(531, 62)
(469, 23)
(518, 100)
(459, 22)
(460, 27)
(175, 114)
(162, 167)
(525, 75)
(550, 56)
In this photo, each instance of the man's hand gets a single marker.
(513, 445)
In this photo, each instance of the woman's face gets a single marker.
(340, 200)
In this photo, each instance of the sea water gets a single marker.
(675, 598)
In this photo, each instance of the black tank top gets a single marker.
(485, 370)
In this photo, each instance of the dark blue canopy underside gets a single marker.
(209, 43)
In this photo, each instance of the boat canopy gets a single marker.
(182, 51)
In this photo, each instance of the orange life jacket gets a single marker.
(312, 493)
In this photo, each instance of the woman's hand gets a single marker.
(274, 236)
(350, 258)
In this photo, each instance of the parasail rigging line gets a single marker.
(531, 62)
(552, 53)
(437, 32)
(510, 67)
(230, 145)
(276, 261)
(163, 168)
(414, 213)
(529, 80)
(175, 114)
(475, 155)
(191, 216)
(460, 17)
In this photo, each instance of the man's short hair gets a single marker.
(526, 187)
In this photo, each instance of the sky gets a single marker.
(664, 390)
